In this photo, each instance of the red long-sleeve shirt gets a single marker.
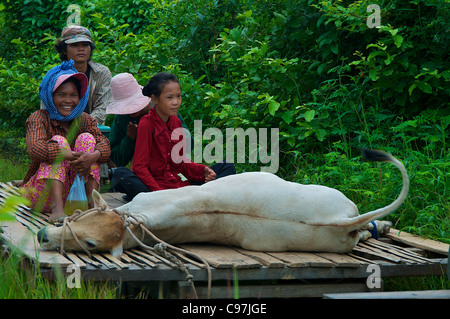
(153, 162)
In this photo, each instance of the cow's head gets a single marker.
(99, 230)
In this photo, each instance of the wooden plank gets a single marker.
(262, 257)
(384, 254)
(32, 218)
(23, 210)
(104, 261)
(9, 189)
(21, 238)
(291, 260)
(75, 259)
(316, 259)
(402, 253)
(376, 253)
(31, 227)
(85, 258)
(25, 219)
(302, 259)
(423, 294)
(114, 200)
(419, 242)
(361, 259)
(341, 260)
(116, 261)
(15, 183)
(282, 290)
(148, 254)
(124, 257)
(143, 260)
(188, 258)
(223, 257)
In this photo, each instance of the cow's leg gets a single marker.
(381, 227)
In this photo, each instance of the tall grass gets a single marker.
(21, 280)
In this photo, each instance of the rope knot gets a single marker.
(189, 277)
(77, 212)
(160, 248)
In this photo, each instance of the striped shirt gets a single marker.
(40, 130)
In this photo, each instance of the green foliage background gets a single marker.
(313, 69)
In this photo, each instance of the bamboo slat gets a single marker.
(264, 258)
(223, 257)
(419, 242)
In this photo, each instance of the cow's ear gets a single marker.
(98, 200)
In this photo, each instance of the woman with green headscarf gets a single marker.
(62, 141)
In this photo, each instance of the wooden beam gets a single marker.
(424, 294)
(419, 242)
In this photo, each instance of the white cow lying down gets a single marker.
(255, 211)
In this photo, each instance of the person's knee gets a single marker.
(121, 172)
(224, 169)
(62, 141)
(85, 142)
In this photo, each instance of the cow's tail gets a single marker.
(379, 156)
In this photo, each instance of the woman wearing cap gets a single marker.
(62, 140)
(76, 44)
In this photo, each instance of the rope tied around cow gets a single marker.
(66, 224)
(161, 248)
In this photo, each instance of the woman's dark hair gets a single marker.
(61, 48)
(74, 81)
(156, 84)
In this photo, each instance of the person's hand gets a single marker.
(210, 175)
(132, 130)
(84, 161)
(68, 155)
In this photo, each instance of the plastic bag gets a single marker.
(77, 197)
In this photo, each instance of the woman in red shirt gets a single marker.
(154, 163)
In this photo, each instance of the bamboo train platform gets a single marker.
(257, 274)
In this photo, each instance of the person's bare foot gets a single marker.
(57, 214)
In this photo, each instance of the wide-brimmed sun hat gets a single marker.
(127, 97)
